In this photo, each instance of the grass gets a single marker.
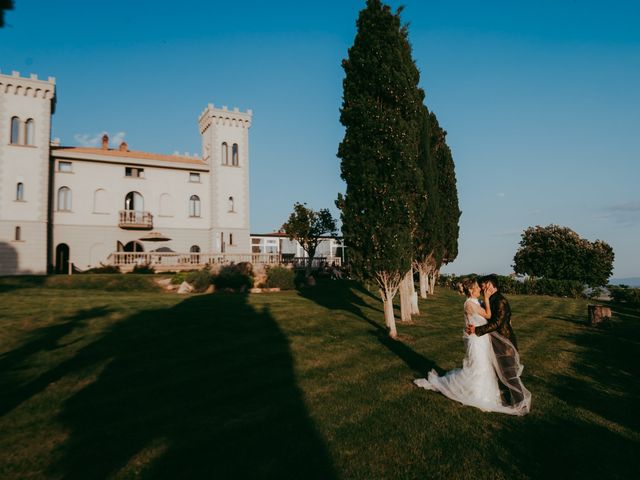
(143, 384)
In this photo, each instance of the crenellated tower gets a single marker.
(26, 106)
(225, 147)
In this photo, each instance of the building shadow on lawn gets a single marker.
(44, 339)
(602, 380)
(205, 389)
(340, 295)
(16, 282)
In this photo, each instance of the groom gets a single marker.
(500, 322)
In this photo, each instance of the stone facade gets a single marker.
(76, 204)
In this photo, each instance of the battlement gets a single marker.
(32, 86)
(224, 116)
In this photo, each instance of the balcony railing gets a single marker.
(177, 261)
(135, 220)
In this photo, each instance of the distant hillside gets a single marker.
(632, 281)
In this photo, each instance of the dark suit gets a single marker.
(500, 320)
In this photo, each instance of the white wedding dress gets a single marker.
(476, 383)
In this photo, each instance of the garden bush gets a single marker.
(143, 269)
(200, 280)
(626, 294)
(178, 278)
(550, 286)
(104, 269)
(236, 276)
(281, 277)
(530, 286)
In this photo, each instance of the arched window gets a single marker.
(194, 206)
(64, 199)
(231, 205)
(225, 153)
(234, 155)
(100, 201)
(15, 130)
(29, 132)
(134, 201)
(20, 192)
(18, 235)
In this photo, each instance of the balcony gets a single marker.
(135, 220)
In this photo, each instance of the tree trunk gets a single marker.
(432, 281)
(389, 317)
(423, 283)
(405, 297)
(412, 296)
(415, 309)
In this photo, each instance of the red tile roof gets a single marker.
(131, 154)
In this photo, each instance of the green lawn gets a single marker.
(105, 384)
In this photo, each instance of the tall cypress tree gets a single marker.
(428, 235)
(449, 207)
(381, 114)
(436, 239)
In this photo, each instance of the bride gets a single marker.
(477, 382)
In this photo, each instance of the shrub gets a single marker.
(237, 276)
(281, 277)
(625, 294)
(199, 279)
(550, 286)
(178, 278)
(104, 269)
(143, 269)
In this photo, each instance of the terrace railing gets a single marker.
(135, 220)
(199, 259)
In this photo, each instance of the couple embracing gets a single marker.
(490, 375)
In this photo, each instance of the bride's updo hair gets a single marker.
(466, 285)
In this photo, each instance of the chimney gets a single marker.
(105, 142)
(124, 147)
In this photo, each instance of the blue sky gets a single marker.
(540, 99)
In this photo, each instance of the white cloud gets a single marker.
(95, 140)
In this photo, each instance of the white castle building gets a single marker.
(86, 206)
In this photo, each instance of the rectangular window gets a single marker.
(65, 167)
(255, 241)
(134, 172)
(194, 177)
(231, 239)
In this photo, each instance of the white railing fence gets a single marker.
(199, 259)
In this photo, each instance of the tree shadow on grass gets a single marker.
(205, 389)
(340, 295)
(601, 390)
(44, 339)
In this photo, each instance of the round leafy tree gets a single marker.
(559, 253)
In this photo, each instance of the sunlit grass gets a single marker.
(98, 384)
